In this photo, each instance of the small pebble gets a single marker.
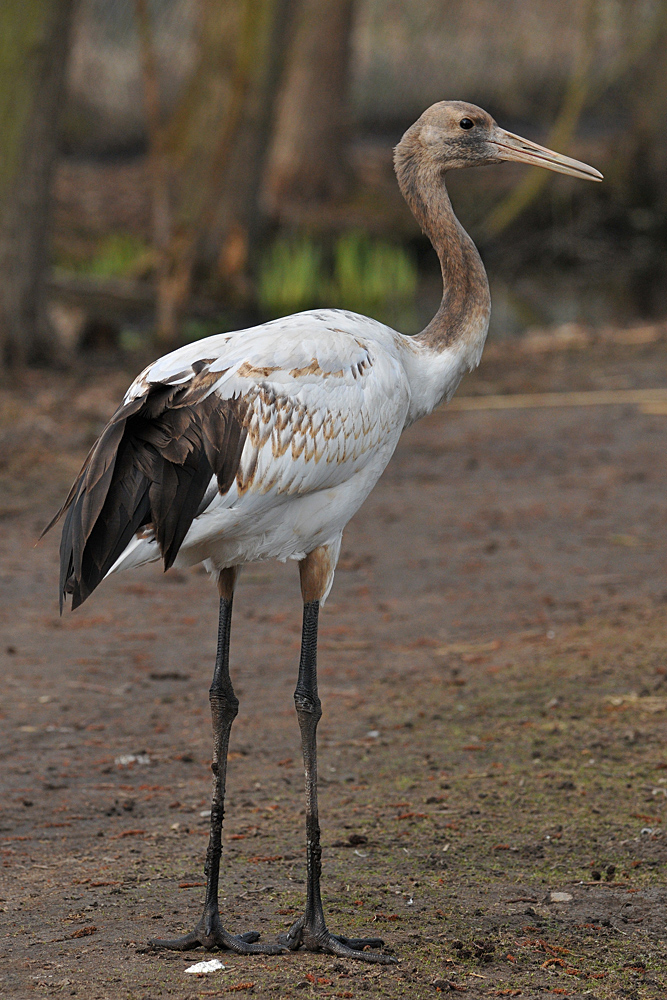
(561, 897)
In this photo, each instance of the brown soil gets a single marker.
(494, 680)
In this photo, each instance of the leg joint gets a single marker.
(307, 703)
(224, 701)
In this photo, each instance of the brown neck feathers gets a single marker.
(465, 298)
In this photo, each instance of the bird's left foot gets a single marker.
(320, 939)
(210, 933)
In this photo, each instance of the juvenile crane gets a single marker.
(262, 444)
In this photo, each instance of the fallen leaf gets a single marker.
(84, 932)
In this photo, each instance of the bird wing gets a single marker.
(287, 408)
(323, 391)
(151, 465)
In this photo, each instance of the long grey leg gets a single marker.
(209, 932)
(311, 930)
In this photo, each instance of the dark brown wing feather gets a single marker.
(151, 465)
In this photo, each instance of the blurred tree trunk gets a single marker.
(308, 161)
(34, 39)
(207, 160)
(235, 230)
(182, 151)
(161, 214)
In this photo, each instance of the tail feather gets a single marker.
(151, 465)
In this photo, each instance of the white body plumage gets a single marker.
(330, 393)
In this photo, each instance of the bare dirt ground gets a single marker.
(494, 679)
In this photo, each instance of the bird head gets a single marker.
(453, 134)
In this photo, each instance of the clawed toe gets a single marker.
(358, 944)
(356, 948)
(211, 934)
(334, 944)
(249, 936)
(184, 943)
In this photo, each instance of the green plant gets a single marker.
(372, 276)
(119, 255)
(290, 276)
(367, 275)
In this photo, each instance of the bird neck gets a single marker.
(452, 342)
(463, 317)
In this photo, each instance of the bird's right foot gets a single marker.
(209, 934)
(316, 937)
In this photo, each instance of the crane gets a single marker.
(262, 443)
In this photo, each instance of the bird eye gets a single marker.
(467, 123)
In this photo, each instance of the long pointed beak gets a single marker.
(513, 147)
